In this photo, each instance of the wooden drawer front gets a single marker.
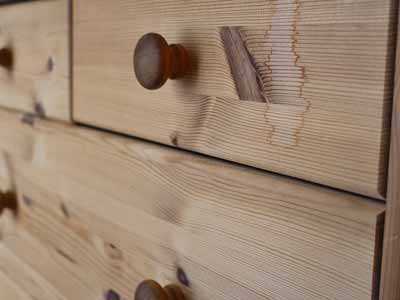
(115, 211)
(34, 75)
(325, 71)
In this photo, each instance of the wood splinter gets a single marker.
(244, 73)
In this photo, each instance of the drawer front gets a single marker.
(34, 58)
(324, 72)
(115, 211)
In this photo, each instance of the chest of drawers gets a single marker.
(101, 199)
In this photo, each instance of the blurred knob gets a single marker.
(6, 58)
(151, 290)
(155, 61)
(8, 200)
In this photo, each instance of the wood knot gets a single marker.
(65, 210)
(50, 64)
(174, 139)
(181, 275)
(27, 200)
(112, 295)
(113, 252)
(28, 118)
(39, 110)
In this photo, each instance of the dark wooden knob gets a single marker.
(8, 200)
(6, 58)
(151, 290)
(155, 61)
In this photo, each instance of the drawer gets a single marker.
(34, 58)
(113, 211)
(323, 81)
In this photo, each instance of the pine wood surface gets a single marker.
(9, 290)
(22, 280)
(390, 287)
(324, 69)
(114, 211)
(39, 271)
(37, 34)
(19, 280)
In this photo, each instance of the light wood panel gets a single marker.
(324, 69)
(390, 288)
(37, 35)
(120, 211)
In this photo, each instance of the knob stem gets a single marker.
(179, 60)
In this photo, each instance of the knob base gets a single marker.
(180, 63)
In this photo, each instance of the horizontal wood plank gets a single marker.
(324, 70)
(37, 36)
(123, 210)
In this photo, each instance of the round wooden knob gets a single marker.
(8, 200)
(6, 58)
(151, 290)
(155, 61)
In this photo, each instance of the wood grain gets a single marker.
(325, 69)
(10, 291)
(36, 35)
(18, 279)
(390, 288)
(41, 271)
(118, 211)
(25, 282)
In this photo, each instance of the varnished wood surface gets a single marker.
(115, 211)
(390, 287)
(325, 69)
(35, 69)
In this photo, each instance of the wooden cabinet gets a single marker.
(301, 88)
(324, 72)
(34, 58)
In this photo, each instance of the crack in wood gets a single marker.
(65, 255)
